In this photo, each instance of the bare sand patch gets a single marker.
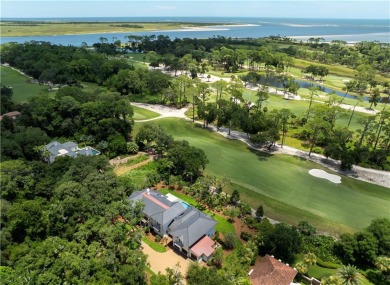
(159, 261)
(325, 175)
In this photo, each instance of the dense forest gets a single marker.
(70, 222)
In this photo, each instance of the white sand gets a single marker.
(323, 174)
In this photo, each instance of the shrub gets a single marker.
(327, 264)
(132, 147)
(231, 240)
(251, 222)
(245, 236)
(157, 238)
(317, 149)
(305, 144)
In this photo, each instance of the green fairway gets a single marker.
(21, 84)
(283, 183)
(143, 114)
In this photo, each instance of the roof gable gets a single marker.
(204, 246)
(191, 226)
(167, 216)
(270, 271)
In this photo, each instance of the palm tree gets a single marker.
(383, 263)
(302, 267)
(358, 100)
(310, 258)
(350, 275)
(313, 92)
(331, 280)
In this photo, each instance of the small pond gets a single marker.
(272, 80)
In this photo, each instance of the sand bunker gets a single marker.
(323, 174)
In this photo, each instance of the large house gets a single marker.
(189, 228)
(270, 271)
(71, 149)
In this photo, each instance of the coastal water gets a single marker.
(350, 30)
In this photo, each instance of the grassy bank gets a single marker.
(21, 84)
(143, 114)
(282, 183)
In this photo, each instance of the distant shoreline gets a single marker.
(74, 31)
(63, 28)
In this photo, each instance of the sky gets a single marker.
(347, 9)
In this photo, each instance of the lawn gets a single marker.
(320, 272)
(282, 183)
(339, 70)
(22, 87)
(143, 114)
(154, 245)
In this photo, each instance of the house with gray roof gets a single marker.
(186, 225)
(190, 227)
(56, 149)
(158, 209)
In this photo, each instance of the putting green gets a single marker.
(283, 181)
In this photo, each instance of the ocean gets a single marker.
(350, 30)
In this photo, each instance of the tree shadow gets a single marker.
(261, 155)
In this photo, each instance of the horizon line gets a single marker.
(240, 17)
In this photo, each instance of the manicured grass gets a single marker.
(185, 198)
(21, 84)
(334, 69)
(319, 272)
(300, 107)
(223, 225)
(143, 114)
(285, 182)
(154, 245)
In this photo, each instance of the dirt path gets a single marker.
(374, 176)
(159, 261)
(121, 167)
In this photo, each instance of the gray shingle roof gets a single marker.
(69, 149)
(57, 149)
(187, 224)
(191, 226)
(166, 217)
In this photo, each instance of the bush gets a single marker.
(326, 264)
(132, 147)
(157, 238)
(317, 150)
(251, 222)
(231, 240)
(246, 236)
(305, 144)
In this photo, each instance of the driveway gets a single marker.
(159, 261)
